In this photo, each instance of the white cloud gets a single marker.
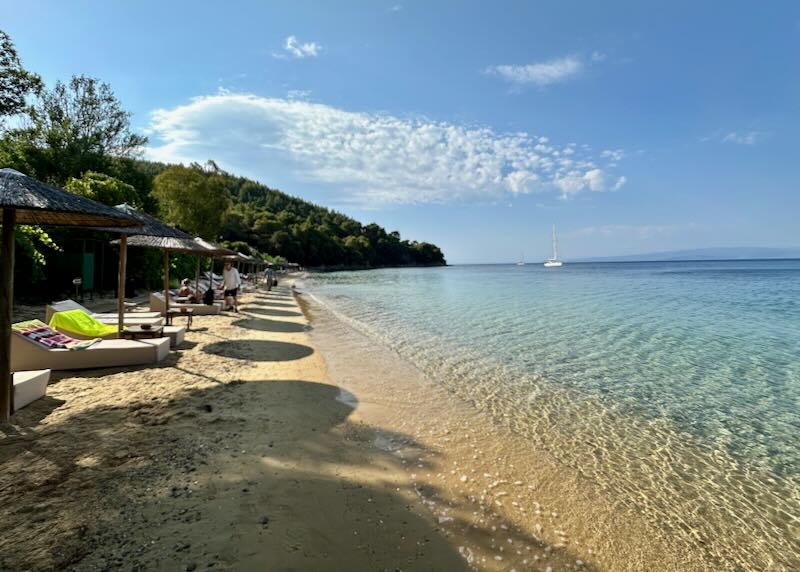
(613, 154)
(299, 50)
(396, 8)
(541, 74)
(598, 56)
(298, 93)
(737, 137)
(369, 159)
(748, 138)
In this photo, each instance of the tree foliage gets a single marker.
(16, 83)
(103, 189)
(311, 235)
(71, 129)
(192, 199)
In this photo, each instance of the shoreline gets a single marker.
(283, 438)
(506, 504)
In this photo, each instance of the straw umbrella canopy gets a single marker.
(213, 250)
(25, 200)
(152, 233)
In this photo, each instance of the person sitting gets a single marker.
(187, 292)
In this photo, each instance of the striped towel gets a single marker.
(39, 332)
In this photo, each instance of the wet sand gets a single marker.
(271, 442)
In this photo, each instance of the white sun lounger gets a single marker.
(176, 334)
(27, 354)
(129, 318)
(29, 386)
(157, 303)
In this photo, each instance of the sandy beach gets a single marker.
(271, 442)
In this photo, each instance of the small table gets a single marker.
(182, 299)
(140, 333)
(173, 312)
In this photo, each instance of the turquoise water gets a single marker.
(673, 386)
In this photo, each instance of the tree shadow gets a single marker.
(259, 350)
(143, 470)
(267, 325)
(271, 312)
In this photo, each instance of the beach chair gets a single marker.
(82, 326)
(111, 318)
(29, 386)
(34, 345)
(157, 304)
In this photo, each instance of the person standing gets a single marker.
(231, 281)
(269, 279)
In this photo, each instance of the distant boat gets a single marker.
(521, 260)
(553, 262)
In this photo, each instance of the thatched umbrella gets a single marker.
(213, 251)
(152, 233)
(25, 200)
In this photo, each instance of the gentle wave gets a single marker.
(677, 395)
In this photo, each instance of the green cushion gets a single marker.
(79, 322)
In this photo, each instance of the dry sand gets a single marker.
(237, 453)
(240, 453)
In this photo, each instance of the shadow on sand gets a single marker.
(270, 312)
(153, 475)
(259, 350)
(267, 325)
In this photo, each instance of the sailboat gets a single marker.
(521, 260)
(553, 262)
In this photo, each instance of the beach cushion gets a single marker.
(81, 323)
(131, 318)
(42, 334)
(29, 386)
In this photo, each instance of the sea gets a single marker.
(674, 386)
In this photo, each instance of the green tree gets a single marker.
(104, 189)
(16, 83)
(192, 199)
(74, 128)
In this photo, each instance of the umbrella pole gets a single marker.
(6, 300)
(166, 281)
(197, 278)
(123, 264)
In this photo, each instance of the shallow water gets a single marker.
(674, 386)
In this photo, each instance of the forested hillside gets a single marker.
(278, 224)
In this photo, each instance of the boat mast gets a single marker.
(555, 244)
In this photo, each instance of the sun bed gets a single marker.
(32, 353)
(29, 386)
(157, 303)
(111, 318)
(82, 326)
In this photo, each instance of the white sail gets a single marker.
(554, 262)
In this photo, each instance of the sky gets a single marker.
(633, 126)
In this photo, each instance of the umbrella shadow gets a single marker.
(267, 325)
(259, 350)
(271, 312)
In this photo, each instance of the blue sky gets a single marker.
(635, 127)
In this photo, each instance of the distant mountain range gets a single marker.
(730, 253)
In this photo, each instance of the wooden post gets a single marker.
(197, 278)
(166, 281)
(123, 264)
(6, 301)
